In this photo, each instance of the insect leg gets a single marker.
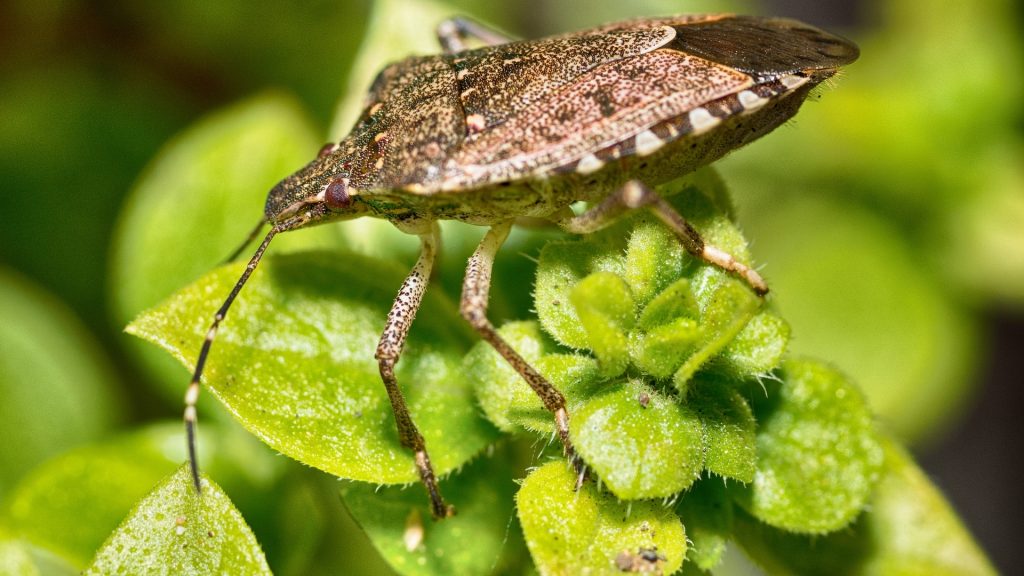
(453, 32)
(633, 195)
(400, 318)
(475, 292)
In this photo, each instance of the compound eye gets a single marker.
(336, 194)
(326, 149)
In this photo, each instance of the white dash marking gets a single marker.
(702, 120)
(475, 123)
(647, 142)
(589, 164)
(751, 101)
(792, 81)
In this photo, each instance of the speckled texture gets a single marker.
(500, 131)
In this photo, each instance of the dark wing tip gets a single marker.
(765, 47)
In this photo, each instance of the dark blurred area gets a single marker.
(91, 90)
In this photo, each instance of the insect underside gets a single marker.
(527, 128)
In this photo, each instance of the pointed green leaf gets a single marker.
(108, 478)
(641, 443)
(907, 529)
(294, 362)
(73, 523)
(586, 531)
(818, 452)
(398, 522)
(175, 531)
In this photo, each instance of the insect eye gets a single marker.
(327, 149)
(336, 194)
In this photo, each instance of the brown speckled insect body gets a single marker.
(527, 128)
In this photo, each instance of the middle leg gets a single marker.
(475, 293)
(400, 318)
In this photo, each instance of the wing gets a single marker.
(714, 68)
(420, 110)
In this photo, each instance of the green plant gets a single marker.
(679, 350)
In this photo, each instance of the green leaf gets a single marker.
(908, 529)
(654, 259)
(660, 352)
(294, 362)
(57, 385)
(632, 286)
(758, 348)
(641, 443)
(586, 531)
(198, 200)
(674, 301)
(818, 452)
(604, 305)
(15, 558)
(726, 306)
(71, 503)
(19, 558)
(562, 266)
(397, 520)
(107, 480)
(707, 512)
(173, 530)
(729, 429)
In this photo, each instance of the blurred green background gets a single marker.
(889, 215)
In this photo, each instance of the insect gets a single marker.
(528, 128)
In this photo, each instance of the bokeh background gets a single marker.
(889, 214)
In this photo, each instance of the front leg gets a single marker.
(475, 293)
(452, 34)
(400, 318)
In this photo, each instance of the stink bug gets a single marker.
(527, 128)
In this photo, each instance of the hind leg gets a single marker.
(634, 195)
